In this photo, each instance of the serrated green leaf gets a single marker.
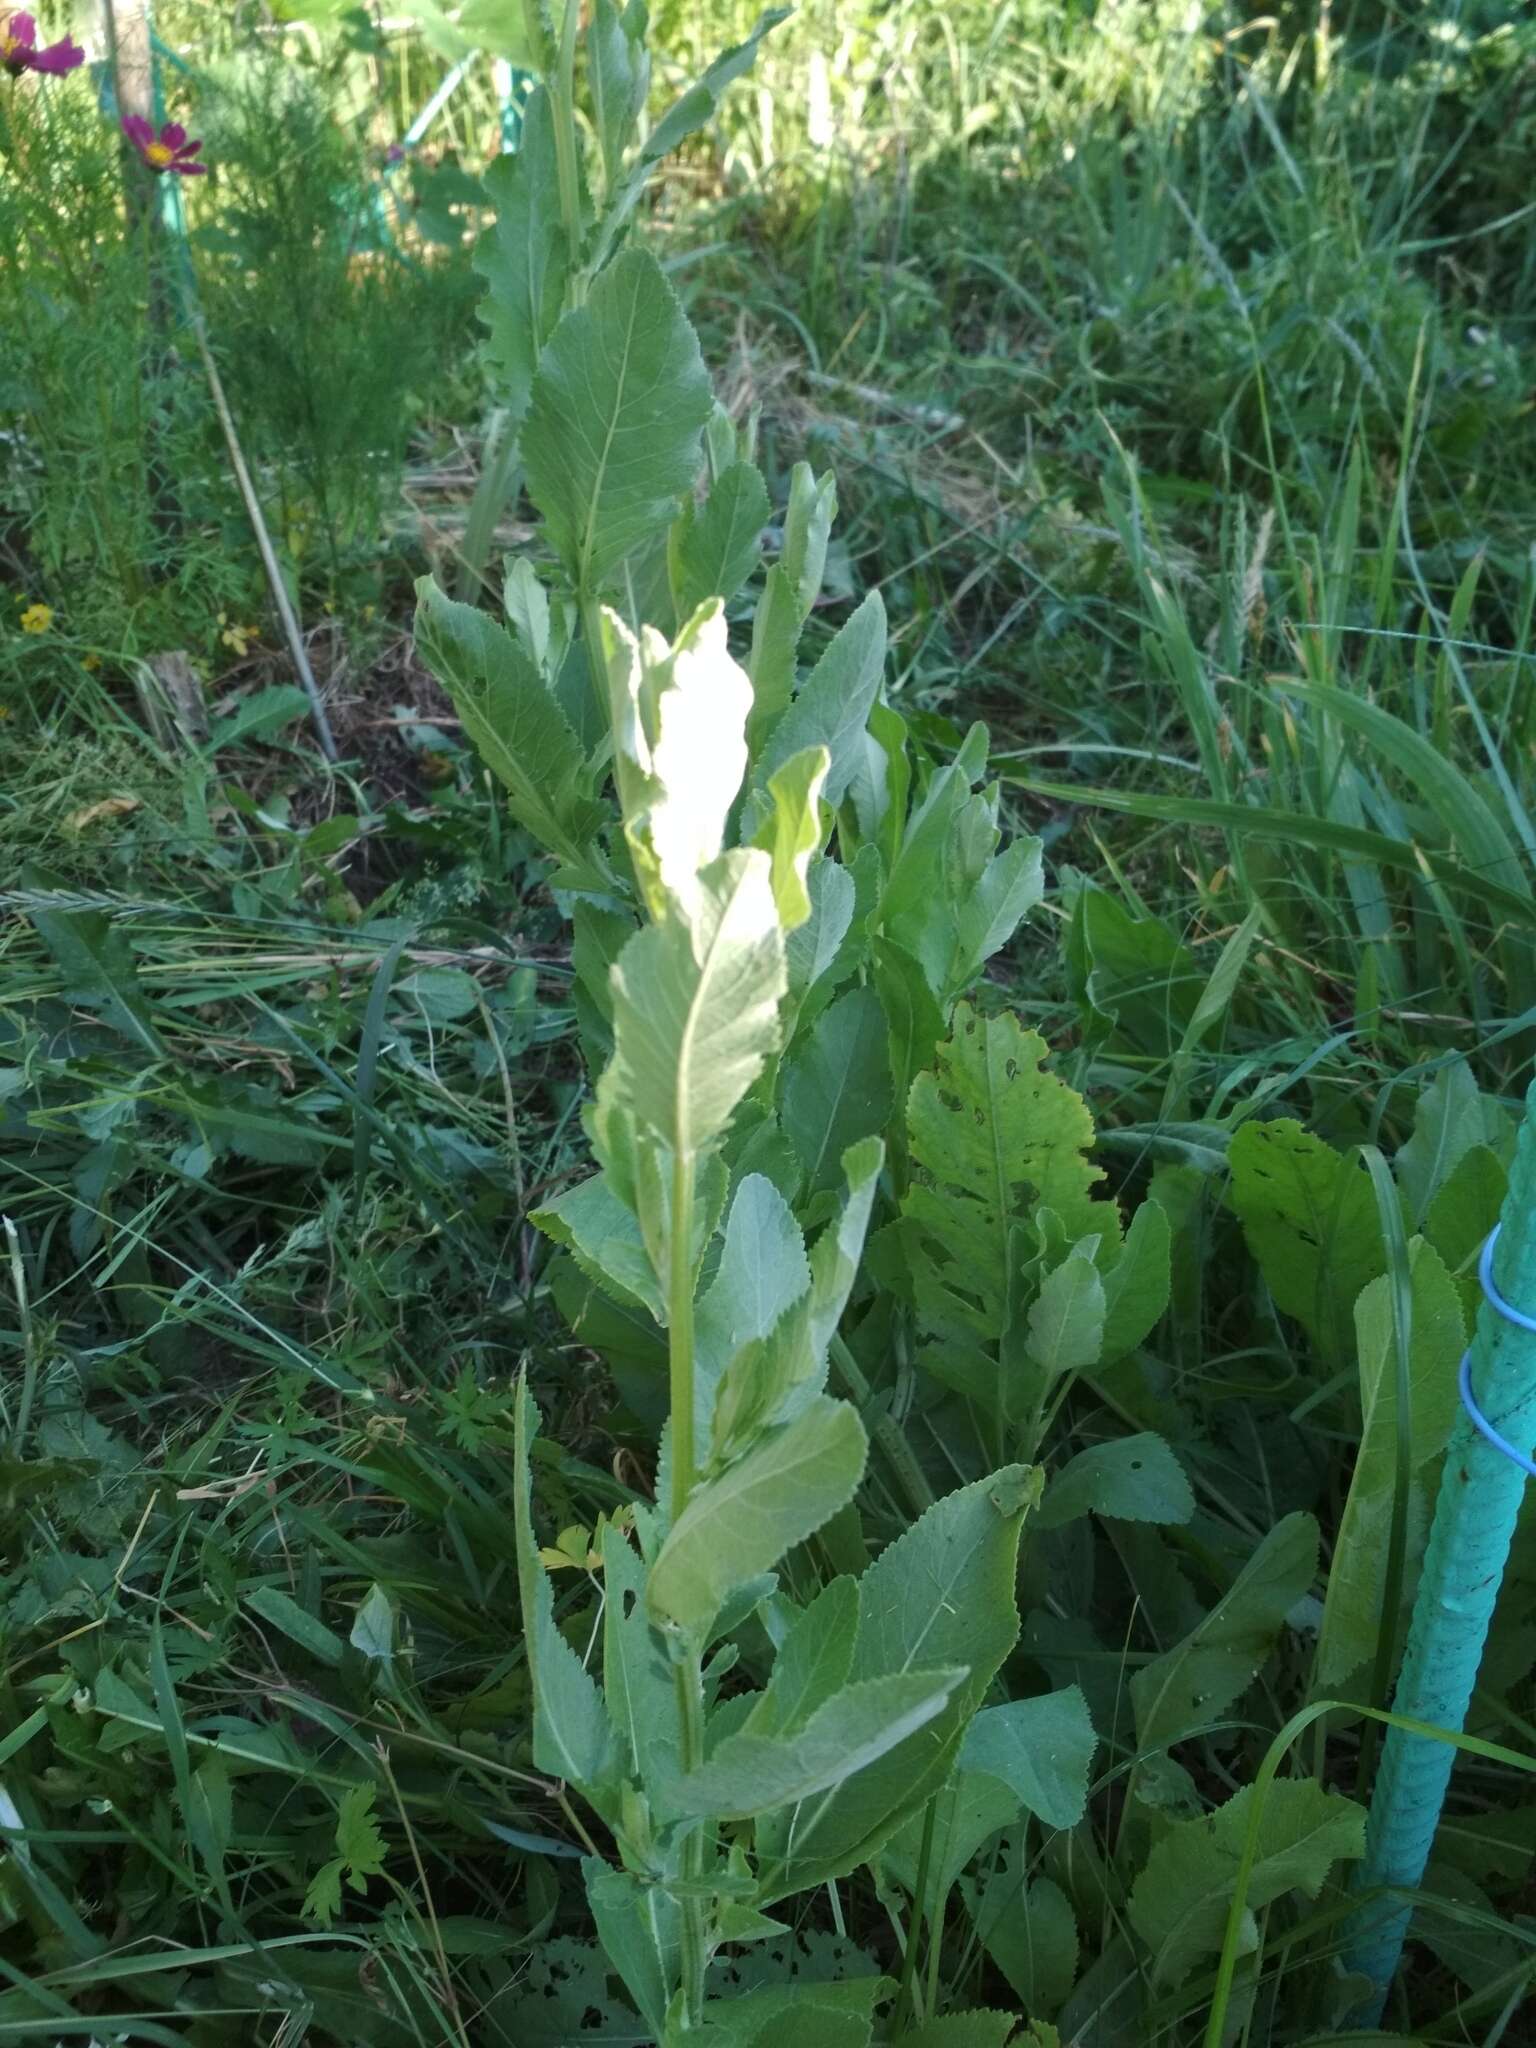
(523, 257)
(640, 1929)
(942, 1593)
(1310, 1219)
(619, 400)
(975, 2029)
(723, 541)
(748, 1773)
(98, 968)
(1064, 1330)
(775, 639)
(639, 1686)
(1179, 1904)
(807, 527)
(1196, 1681)
(812, 1661)
(1041, 1749)
(742, 1523)
(603, 1236)
(696, 1007)
(1029, 1932)
(763, 1272)
(618, 76)
(1451, 1117)
(519, 730)
(1137, 1282)
(1134, 1479)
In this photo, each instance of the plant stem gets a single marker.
(680, 1331)
(690, 1714)
(28, 1340)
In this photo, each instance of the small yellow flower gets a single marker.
(90, 663)
(237, 638)
(5, 712)
(37, 618)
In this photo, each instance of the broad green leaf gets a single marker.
(749, 1773)
(1352, 1611)
(98, 967)
(792, 832)
(1466, 1209)
(572, 1738)
(1179, 1904)
(641, 1932)
(1310, 1219)
(602, 1235)
(696, 1007)
(1064, 1331)
(836, 1086)
(723, 539)
(1137, 984)
(612, 435)
(1452, 1117)
(951, 900)
(812, 1661)
(1136, 1282)
(1196, 1681)
(516, 725)
(941, 1594)
(741, 1524)
(1041, 1749)
(1134, 1479)
(373, 1626)
(618, 75)
(914, 1019)
(1029, 1932)
(763, 1271)
(833, 703)
(812, 949)
(523, 257)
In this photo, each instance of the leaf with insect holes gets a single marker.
(1310, 1218)
(1134, 1479)
(523, 257)
(1179, 1904)
(1196, 1681)
(740, 1525)
(1352, 1611)
(992, 1134)
(619, 400)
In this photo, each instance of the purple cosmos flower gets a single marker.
(19, 51)
(167, 151)
(395, 154)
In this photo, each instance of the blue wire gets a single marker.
(1521, 1321)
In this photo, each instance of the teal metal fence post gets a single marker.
(1479, 1500)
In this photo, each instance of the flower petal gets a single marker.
(22, 27)
(173, 135)
(138, 131)
(190, 170)
(59, 57)
(192, 148)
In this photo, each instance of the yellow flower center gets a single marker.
(37, 618)
(158, 154)
(9, 45)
